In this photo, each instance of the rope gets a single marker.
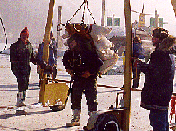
(4, 34)
(84, 13)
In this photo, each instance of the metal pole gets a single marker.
(103, 13)
(127, 71)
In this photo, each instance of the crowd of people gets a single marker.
(83, 65)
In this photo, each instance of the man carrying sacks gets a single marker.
(83, 64)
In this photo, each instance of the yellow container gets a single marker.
(54, 94)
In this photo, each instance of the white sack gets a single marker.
(103, 46)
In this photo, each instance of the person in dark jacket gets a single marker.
(83, 65)
(138, 53)
(21, 54)
(158, 87)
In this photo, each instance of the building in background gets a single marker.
(112, 21)
(157, 22)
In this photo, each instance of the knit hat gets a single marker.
(25, 31)
(160, 33)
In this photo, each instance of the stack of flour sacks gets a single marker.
(103, 46)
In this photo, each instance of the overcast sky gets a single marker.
(17, 14)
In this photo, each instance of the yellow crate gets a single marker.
(53, 93)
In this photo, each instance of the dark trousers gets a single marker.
(159, 120)
(23, 83)
(87, 86)
(136, 77)
(22, 79)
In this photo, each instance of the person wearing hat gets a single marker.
(21, 54)
(158, 86)
(158, 35)
(82, 63)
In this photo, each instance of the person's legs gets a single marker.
(54, 72)
(76, 95)
(21, 92)
(91, 95)
(23, 82)
(136, 77)
(159, 120)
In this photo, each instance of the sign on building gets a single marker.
(141, 20)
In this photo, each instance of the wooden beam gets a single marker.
(127, 69)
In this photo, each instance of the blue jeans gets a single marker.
(159, 120)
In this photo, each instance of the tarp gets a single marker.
(144, 33)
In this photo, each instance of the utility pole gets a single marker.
(128, 64)
(47, 31)
(156, 19)
(113, 20)
(46, 48)
(173, 2)
(59, 27)
(103, 13)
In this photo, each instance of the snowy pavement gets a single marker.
(42, 118)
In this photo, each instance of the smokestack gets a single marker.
(103, 13)
(59, 28)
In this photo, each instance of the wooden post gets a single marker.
(173, 2)
(47, 31)
(46, 49)
(103, 13)
(127, 71)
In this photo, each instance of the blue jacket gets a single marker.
(159, 75)
(51, 60)
(138, 50)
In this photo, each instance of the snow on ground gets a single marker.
(42, 118)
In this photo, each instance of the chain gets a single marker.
(91, 13)
(75, 12)
(84, 3)
(83, 13)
